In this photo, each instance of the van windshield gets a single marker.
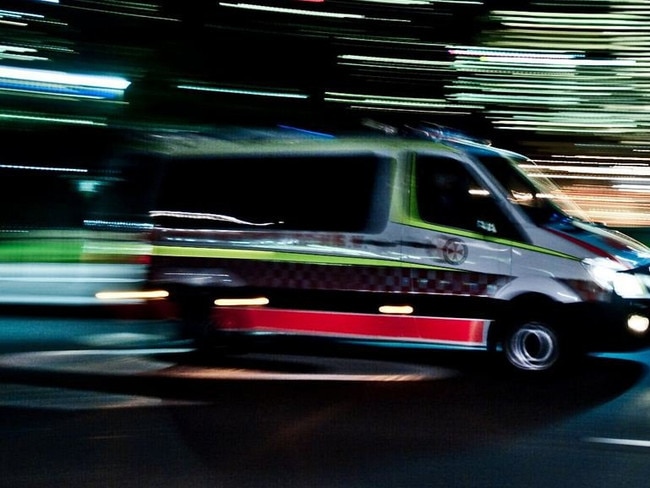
(535, 194)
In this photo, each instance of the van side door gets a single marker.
(456, 241)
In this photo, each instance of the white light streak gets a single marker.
(241, 302)
(239, 91)
(63, 78)
(633, 188)
(619, 442)
(312, 13)
(397, 61)
(43, 168)
(60, 120)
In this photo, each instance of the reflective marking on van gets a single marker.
(279, 256)
(482, 237)
(309, 277)
(443, 330)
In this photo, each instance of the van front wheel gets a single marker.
(532, 346)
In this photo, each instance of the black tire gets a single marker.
(534, 346)
(196, 321)
(198, 326)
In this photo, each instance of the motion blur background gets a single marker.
(566, 82)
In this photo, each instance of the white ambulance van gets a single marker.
(403, 236)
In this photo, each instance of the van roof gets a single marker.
(278, 139)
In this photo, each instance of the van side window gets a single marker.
(316, 193)
(541, 206)
(124, 189)
(40, 197)
(447, 194)
(50, 180)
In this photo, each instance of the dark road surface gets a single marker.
(91, 403)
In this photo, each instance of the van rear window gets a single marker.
(315, 193)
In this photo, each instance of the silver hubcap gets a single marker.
(532, 347)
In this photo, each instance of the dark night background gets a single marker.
(561, 81)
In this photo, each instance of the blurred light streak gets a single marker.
(633, 188)
(43, 168)
(393, 63)
(506, 98)
(18, 15)
(47, 119)
(417, 111)
(533, 39)
(237, 91)
(63, 78)
(11, 22)
(599, 123)
(568, 3)
(265, 8)
(573, 171)
(387, 41)
(118, 224)
(588, 177)
(613, 206)
(576, 116)
(476, 68)
(486, 51)
(19, 53)
(125, 13)
(424, 2)
(47, 93)
(552, 86)
(58, 83)
(573, 63)
(392, 60)
(498, 57)
(371, 100)
(612, 189)
(619, 442)
(132, 295)
(593, 158)
(595, 21)
(558, 129)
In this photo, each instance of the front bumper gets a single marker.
(620, 325)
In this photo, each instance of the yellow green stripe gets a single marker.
(478, 235)
(287, 257)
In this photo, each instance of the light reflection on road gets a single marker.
(258, 366)
(82, 375)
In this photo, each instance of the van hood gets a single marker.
(603, 241)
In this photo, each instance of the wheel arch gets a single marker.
(529, 304)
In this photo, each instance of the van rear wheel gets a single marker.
(198, 326)
(196, 321)
(533, 346)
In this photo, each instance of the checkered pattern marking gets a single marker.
(320, 277)
(457, 282)
(388, 279)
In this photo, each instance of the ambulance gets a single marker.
(410, 236)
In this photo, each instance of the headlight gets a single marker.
(638, 324)
(610, 275)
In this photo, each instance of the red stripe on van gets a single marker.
(370, 326)
(585, 245)
(467, 331)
